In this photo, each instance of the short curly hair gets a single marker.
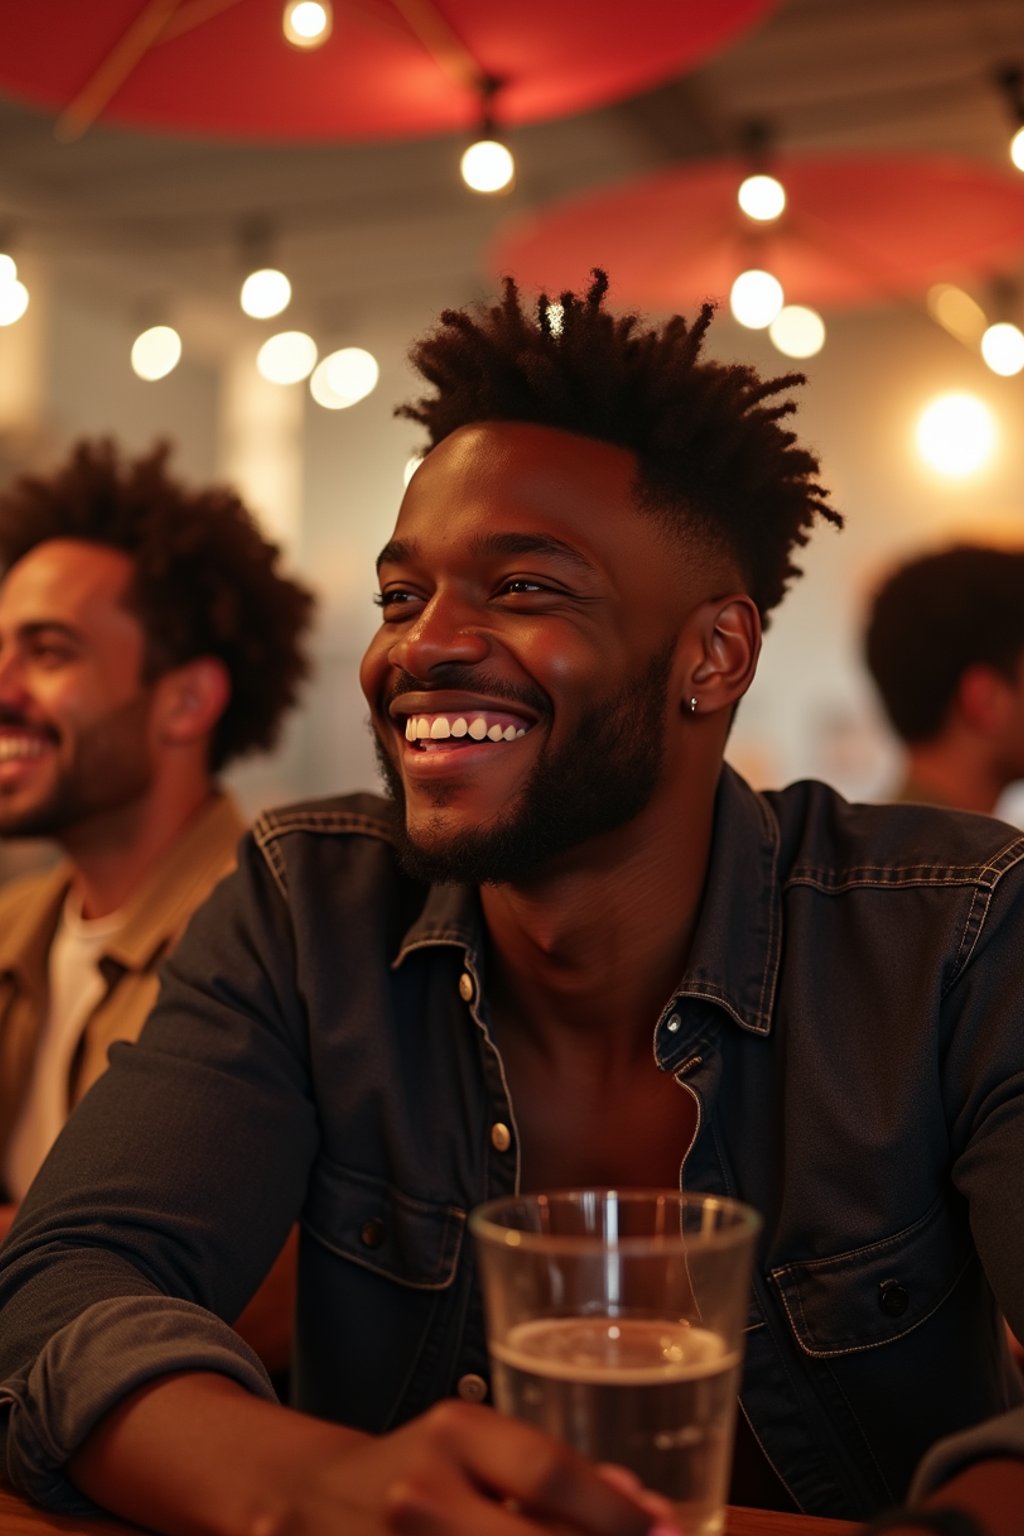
(206, 581)
(934, 617)
(712, 453)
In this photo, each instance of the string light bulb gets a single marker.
(156, 352)
(761, 197)
(488, 165)
(755, 299)
(307, 23)
(265, 293)
(1002, 347)
(956, 435)
(14, 295)
(1010, 80)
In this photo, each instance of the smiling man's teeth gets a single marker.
(441, 727)
(19, 746)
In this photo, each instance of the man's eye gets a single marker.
(394, 597)
(523, 584)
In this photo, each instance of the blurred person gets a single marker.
(147, 640)
(945, 645)
(570, 948)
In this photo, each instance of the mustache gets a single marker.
(18, 718)
(457, 678)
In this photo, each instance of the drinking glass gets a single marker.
(615, 1320)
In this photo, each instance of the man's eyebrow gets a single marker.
(399, 550)
(33, 628)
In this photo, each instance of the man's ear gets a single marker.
(192, 699)
(727, 636)
(982, 697)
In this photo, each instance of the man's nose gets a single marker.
(446, 631)
(12, 678)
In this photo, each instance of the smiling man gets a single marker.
(570, 948)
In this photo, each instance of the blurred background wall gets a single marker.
(117, 225)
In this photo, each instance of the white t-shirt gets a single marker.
(76, 985)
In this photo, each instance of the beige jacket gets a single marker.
(155, 917)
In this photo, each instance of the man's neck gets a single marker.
(594, 950)
(949, 775)
(114, 854)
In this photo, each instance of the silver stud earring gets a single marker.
(693, 705)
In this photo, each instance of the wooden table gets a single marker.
(18, 1518)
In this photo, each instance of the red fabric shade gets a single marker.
(389, 68)
(856, 230)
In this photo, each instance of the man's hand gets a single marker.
(196, 1453)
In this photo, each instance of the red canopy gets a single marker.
(856, 230)
(389, 68)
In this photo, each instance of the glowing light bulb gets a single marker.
(287, 357)
(343, 378)
(1002, 347)
(761, 197)
(798, 331)
(265, 293)
(156, 352)
(755, 299)
(956, 435)
(1017, 149)
(8, 268)
(487, 166)
(956, 312)
(307, 23)
(13, 300)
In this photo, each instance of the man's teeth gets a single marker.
(441, 727)
(19, 746)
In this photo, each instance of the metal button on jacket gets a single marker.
(472, 1388)
(893, 1298)
(371, 1233)
(466, 987)
(501, 1137)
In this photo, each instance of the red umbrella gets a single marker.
(389, 68)
(856, 229)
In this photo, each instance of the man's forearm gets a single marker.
(194, 1454)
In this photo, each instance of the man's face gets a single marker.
(520, 685)
(74, 714)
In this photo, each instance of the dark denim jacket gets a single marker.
(849, 1021)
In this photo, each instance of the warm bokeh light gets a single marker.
(287, 357)
(411, 466)
(761, 197)
(8, 268)
(755, 299)
(307, 23)
(343, 378)
(487, 166)
(956, 312)
(13, 300)
(956, 434)
(156, 352)
(1002, 347)
(265, 293)
(1017, 149)
(798, 331)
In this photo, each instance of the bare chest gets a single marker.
(577, 1127)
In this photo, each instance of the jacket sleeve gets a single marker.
(168, 1194)
(982, 1068)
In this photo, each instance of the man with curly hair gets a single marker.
(147, 639)
(571, 948)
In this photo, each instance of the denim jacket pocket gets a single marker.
(877, 1293)
(368, 1221)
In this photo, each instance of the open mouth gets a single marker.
(470, 729)
(15, 748)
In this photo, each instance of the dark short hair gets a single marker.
(713, 454)
(206, 581)
(932, 619)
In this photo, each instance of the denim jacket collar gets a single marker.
(734, 958)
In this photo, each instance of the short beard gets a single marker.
(599, 780)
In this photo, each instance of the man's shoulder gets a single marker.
(37, 889)
(826, 839)
(357, 815)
